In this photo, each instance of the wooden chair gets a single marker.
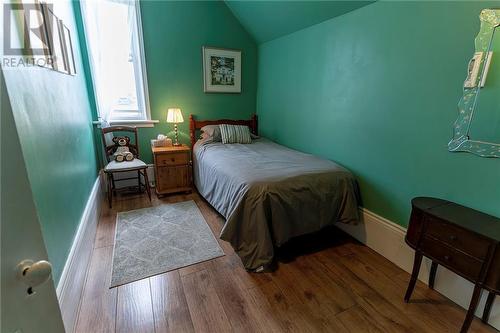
(126, 166)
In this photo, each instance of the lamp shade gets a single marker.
(174, 115)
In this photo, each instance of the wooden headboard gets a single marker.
(195, 125)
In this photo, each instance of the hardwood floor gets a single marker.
(324, 283)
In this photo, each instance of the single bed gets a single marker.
(269, 193)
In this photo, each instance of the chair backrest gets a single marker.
(109, 150)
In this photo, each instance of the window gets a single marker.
(116, 56)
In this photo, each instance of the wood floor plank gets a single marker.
(195, 268)
(134, 311)
(170, 309)
(341, 287)
(276, 320)
(307, 299)
(448, 314)
(327, 291)
(442, 309)
(391, 318)
(233, 265)
(392, 292)
(287, 313)
(98, 305)
(356, 320)
(105, 234)
(242, 315)
(434, 312)
(327, 299)
(207, 312)
(386, 281)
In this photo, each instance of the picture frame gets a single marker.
(221, 70)
(54, 23)
(48, 40)
(68, 50)
(41, 49)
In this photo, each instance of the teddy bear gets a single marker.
(122, 152)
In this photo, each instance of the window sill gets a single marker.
(136, 123)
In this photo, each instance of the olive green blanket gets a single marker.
(269, 194)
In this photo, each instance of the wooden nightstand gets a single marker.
(172, 169)
(461, 239)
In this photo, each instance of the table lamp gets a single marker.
(174, 116)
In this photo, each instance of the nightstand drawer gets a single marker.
(172, 159)
(457, 261)
(456, 237)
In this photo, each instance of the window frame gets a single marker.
(147, 122)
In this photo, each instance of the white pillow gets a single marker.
(212, 131)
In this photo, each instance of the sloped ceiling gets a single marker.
(267, 20)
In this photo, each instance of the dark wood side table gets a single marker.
(172, 169)
(461, 239)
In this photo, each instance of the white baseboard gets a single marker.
(70, 286)
(387, 238)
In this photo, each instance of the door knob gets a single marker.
(33, 273)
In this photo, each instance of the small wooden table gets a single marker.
(461, 239)
(172, 169)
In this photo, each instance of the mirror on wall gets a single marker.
(477, 129)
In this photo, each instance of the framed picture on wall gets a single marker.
(56, 41)
(68, 50)
(221, 70)
(39, 45)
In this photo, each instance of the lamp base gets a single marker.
(176, 142)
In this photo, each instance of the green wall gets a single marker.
(174, 32)
(377, 90)
(53, 119)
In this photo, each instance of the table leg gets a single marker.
(414, 275)
(472, 308)
(432, 274)
(487, 307)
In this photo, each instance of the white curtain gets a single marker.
(110, 28)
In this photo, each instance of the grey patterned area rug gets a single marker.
(154, 240)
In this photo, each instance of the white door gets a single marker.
(21, 238)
